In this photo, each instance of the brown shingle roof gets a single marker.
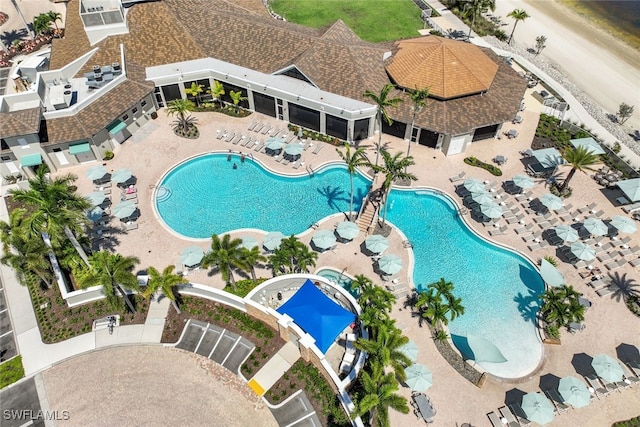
(449, 68)
(17, 123)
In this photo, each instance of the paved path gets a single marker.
(271, 372)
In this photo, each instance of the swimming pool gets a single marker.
(339, 278)
(499, 288)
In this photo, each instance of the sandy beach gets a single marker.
(598, 63)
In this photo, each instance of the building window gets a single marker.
(56, 150)
(134, 110)
(143, 103)
(125, 117)
(5, 158)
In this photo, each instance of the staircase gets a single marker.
(366, 217)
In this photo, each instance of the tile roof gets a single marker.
(22, 122)
(449, 68)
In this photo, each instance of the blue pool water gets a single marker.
(498, 288)
(335, 276)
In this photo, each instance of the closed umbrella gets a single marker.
(272, 240)
(191, 255)
(624, 224)
(274, 143)
(583, 251)
(607, 368)
(551, 275)
(96, 173)
(376, 243)
(419, 377)
(574, 392)
(390, 264)
(484, 350)
(124, 209)
(348, 230)
(567, 233)
(121, 175)
(410, 349)
(491, 210)
(473, 184)
(483, 198)
(323, 239)
(293, 149)
(95, 214)
(96, 197)
(551, 201)
(537, 408)
(523, 181)
(595, 226)
(249, 242)
(299, 133)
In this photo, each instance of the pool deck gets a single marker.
(154, 150)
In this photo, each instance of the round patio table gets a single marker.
(612, 178)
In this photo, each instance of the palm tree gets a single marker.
(384, 348)
(236, 97)
(195, 90)
(394, 168)
(353, 161)
(305, 258)
(540, 44)
(378, 395)
(41, 23)
(225, 254)
(56, 208)
(372, 295)
(114, 273)
(475, 8)
(217, 90)
(581, 159)
(444, 290)
(293, 256)
(419, 98)
(252, 257)
(560, 306)
(181, 107)
(54, 17)
(438, 304)
(518, 15)
(167, 282)
(383, 102)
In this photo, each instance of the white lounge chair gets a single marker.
(508, 416)
(495, 420)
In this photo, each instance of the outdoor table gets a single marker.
(611, 178)
(424, 406)
(499, 160)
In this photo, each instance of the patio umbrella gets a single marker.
(272, 240)
(410, 349)
(293, 149)
(631, 188)
(574, 392)
(323, 239)
(483, 198)
(124, 209)
(299, 132)
(390, 264)
(376, 243)
(96, 173)
(274, 143)
(484, 350)
(551, 275)
(419, 377)
(249, 242)
(473, 184)
(595, 226)
(121, 175)
(583, 251)
(566, 233)
(607, 368)
(191, 255)
(523, 181)
(95, 214)
(624, 224)
(348, 230)
(551, 201)
(491, 210)
(96, 197)
(537, 408)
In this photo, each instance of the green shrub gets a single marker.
(552, 331)
(494, 170)
(243, 287)
(633, 422)
(440, 335)
(108, 155)
(11, 371)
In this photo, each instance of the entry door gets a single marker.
(86, 157)
(280, 112)
(62, 159)
(415, 132)
(456, 145)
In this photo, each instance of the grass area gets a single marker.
(373, 21)
(243, 287)
(11, 371)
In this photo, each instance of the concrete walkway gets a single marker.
(270, 373)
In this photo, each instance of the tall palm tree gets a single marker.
(384, 348)
(195, 90)
(225, 254)
(474, 8)
(56, 208)
(580, 159)
(378, 395)
(236, 98)
(419, 98)
(167, 282)
(252, 257)
(55, 17)
(41, 23)
(394, 168)
(383, 102)
(372, 295)
(444, 291)
(518, 15)
(180, 108)
(114, 273)
(353, 161)
(560, 306)
(217, 90)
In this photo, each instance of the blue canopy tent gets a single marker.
(317, 315)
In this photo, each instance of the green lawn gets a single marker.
(374, 21)
(11, 371)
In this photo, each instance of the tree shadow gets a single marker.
(8, 37)
(582, 364)
(334, 195)
(514, 395)
(628, 353)
(624, 287)
(528, 305)
(549, 382)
